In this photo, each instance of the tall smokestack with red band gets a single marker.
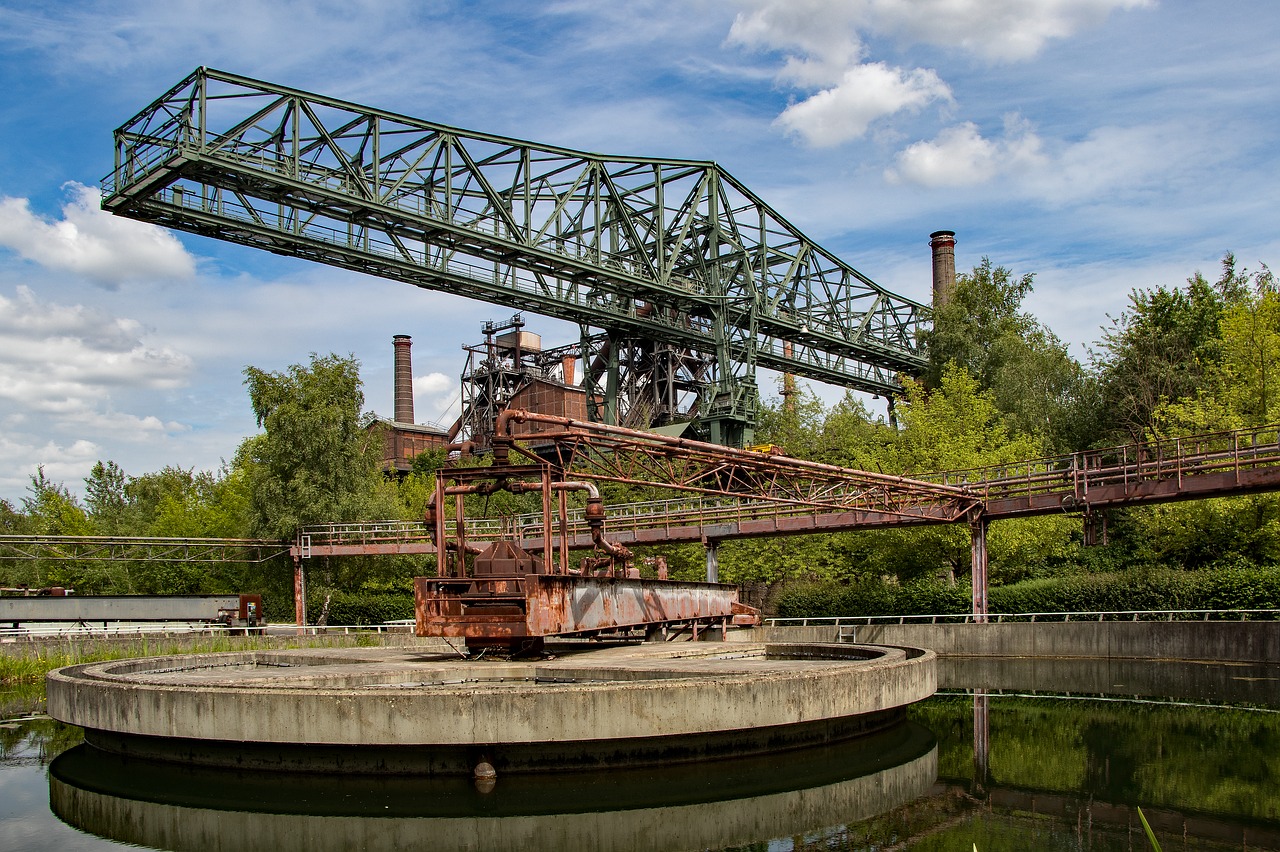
(943, 244)
(404, 379)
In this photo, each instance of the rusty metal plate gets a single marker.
(560, 605)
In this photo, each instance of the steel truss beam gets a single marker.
(676, 251)
(606, 453)
(140, 549)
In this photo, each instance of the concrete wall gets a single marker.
(1247, 641)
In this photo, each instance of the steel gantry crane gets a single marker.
(650, 251)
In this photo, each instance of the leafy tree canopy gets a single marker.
(317, 459)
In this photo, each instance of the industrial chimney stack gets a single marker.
(943, 244)
(403, 379)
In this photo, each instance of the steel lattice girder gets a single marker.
(671, 250)
(140, 549)
(615, 454)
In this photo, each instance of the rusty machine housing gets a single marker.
(498, 594)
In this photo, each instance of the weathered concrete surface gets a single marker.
(1235, 641)
(575, 820)
(397, 698)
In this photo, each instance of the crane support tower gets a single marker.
(647, 251)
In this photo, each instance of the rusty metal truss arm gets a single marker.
(673, 250)
(615, 454)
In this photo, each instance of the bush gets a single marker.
(1140, 589)
(359, 607)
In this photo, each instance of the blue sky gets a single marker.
(1101, 144)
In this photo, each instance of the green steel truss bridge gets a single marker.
(675, 252)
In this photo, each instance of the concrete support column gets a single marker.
(978, 560)
(713, 561)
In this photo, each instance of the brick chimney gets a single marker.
(403, 379)
(943, 244)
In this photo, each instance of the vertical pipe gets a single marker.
(943, 244)
(713, 561)
(460, 531)
(403, 378)
(442, 555)
(564, 533)
(299, 593)
(546, 519)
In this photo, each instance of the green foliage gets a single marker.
(1027, 370)
(316, 461)
(360, 607)
(1166, 348)
(1241, 587)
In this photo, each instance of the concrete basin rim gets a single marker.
(825, 669)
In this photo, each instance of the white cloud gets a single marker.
(828, 35)
(436, 397)
(864, 93)
(90, 242)
(996, 30)
(960, 156)
(52, 355)
(67, 361)
(822, 35)
(21, 456)
(1107, 163)
(825, 47)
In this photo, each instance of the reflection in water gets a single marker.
(711, 805)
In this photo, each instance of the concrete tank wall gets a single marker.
(1239, 641)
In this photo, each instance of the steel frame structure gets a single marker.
(605, 453)
(140, 549)
(672, 251)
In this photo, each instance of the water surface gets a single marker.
(1038, 756)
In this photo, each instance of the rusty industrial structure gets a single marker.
(497, 593)
(723, 494)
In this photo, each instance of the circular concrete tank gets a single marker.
(398, 711)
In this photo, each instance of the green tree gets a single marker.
(316, 460)
(1164, 349)
(105, 498)
(1033, 379)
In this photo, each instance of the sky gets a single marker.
(1103, 145)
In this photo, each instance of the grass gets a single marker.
(1151, 835)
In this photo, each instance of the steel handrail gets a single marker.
(1025, 617)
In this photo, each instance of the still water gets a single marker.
(1011, 755)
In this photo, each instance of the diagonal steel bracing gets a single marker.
(676, 251)
(614, 454)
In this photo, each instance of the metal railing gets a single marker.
(1128, 465)
(1032, 617)
(70, 631)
